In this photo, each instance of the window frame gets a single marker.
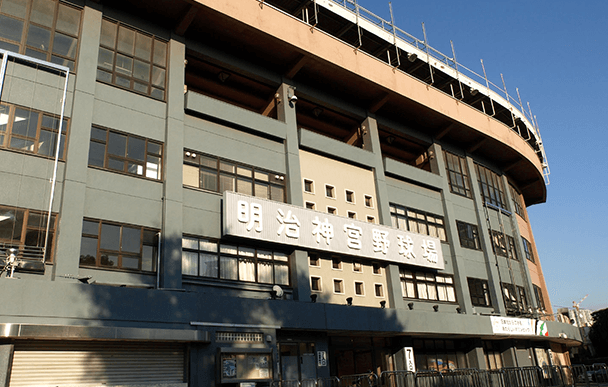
(126, 160)
(312, 186)
(368, 199)
(331, 190)
(371, 219)
(458, 174)
(433, 284)
(319, 281)
(479, 291)
(518, 205)
(405, 215)
(381, 287)
(468, 234)
(245, 254)
(115, 50)
(340, 283)
(528, 250)
(26, 228)
(8, 133)
(359, 285)
(490, 185)
(332, 210)
(120, 253)
(351, 214)
(310, 205)
(54, 38)
(349, 196)
(540, 301)
(219, 174)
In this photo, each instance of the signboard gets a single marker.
(260, 219)
(410, 364)
(244, 366)
(321, 359)
(518, 326)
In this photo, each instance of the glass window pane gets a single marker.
(140, 87)
(117, 144)
(25, 123)
(88, 251)
(47, 143)
(110, 237)
(160, 53)
(65, 45)
(90, 227)
(105, 59)
(265, 272)
(154, 148)
(207, 245)
(189, 263)
(157, 93)
(10, 28)
(4, 110)
(153, 167)
(208, 265)
(244, 186)
(141, 71)
(277, 193)
(97, 133)
(136, 149)
(19, 143)
(143, 47)
(281, 257)
(208, 162)
(124, 64)
(104, 76)
(14, 7)
(135, 169)
(246, 269)
(208, 180)
(246, 251)
(191, 176)
(42, 12)
(38, 37)
(262, 190)
(126, 40)
(110, 260)
(281, 274)
(35, 53)
(228, 268)
(108, 33)
(226, 183)
(131, 239)
(96, 154)
(122, 81)
(118, 165)
(228, 249)
(189, 243)
(68, 20)
(130, 262)
(227, 167)
(148, 259)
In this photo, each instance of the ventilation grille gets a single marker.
(238, 337)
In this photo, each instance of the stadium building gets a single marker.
(218, 192)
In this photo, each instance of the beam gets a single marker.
(476, 145)
(186, 20)
(445, 131)
(512, 165)
(296, 67)
(379, 103)
(353, 137)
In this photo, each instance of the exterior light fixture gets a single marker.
(383, 304)
(349, 301)
(313, 298)
(410, 305)
(412, 57)
(436, 308)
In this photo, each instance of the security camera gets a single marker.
(293, 99)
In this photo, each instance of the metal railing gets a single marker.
(546, 376)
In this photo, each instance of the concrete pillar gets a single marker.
(476, 356)
(6, 360)
(67, 253)
(170, 270)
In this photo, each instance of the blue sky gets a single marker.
(556, 53)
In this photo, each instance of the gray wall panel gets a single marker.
(202, 213)
(416, 197)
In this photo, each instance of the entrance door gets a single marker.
(298, 361)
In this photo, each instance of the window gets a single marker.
(350, 196)
(31, 131)
(540, 302)
(218, 175)
(512, 248)
(417, 221)
(309, 186)
(528, 249)
(510, 297)
(490, 185)
(132, 59)
(518, 205)
(376, 269)
(26, 230)
(118, 246)
(336, 264)
(493, 355)
(332, 210)
(427, 286)
(310, 205)
(468, 235)
(125, 153)
(313, 260)
(379, 290)
(458, 176)
(357, 267)
(359, 288)
(440, 355)
(523, 299)
(46, 30)
(315, 284)
(338, 286)
(498, 243)
(371, 219)
(352, 214)
(480, 293)
(369, 201)
(207, 258)
(330, 191)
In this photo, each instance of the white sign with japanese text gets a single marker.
(512, 326)
(255, 218)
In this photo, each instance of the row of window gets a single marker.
(515, 297)
(337, 264)
(316, 285)
(334, 211)
(24, 228)
(211, 259)
(330, 192)
(417, 221)
(427, 286)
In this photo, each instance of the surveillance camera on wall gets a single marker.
(293, 99)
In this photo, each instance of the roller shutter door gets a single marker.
(96, 363)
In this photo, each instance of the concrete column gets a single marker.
(476, 356)
(6, 360)
(462, 291)
(67, 253)
(371, 142)
(286, 112)
(170, 270)
(486, 242)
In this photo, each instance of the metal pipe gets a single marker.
(488, 88)
(158, 235)
(428, 54)
(457, 72)
(508, 100)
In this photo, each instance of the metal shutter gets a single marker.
(93, 363)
